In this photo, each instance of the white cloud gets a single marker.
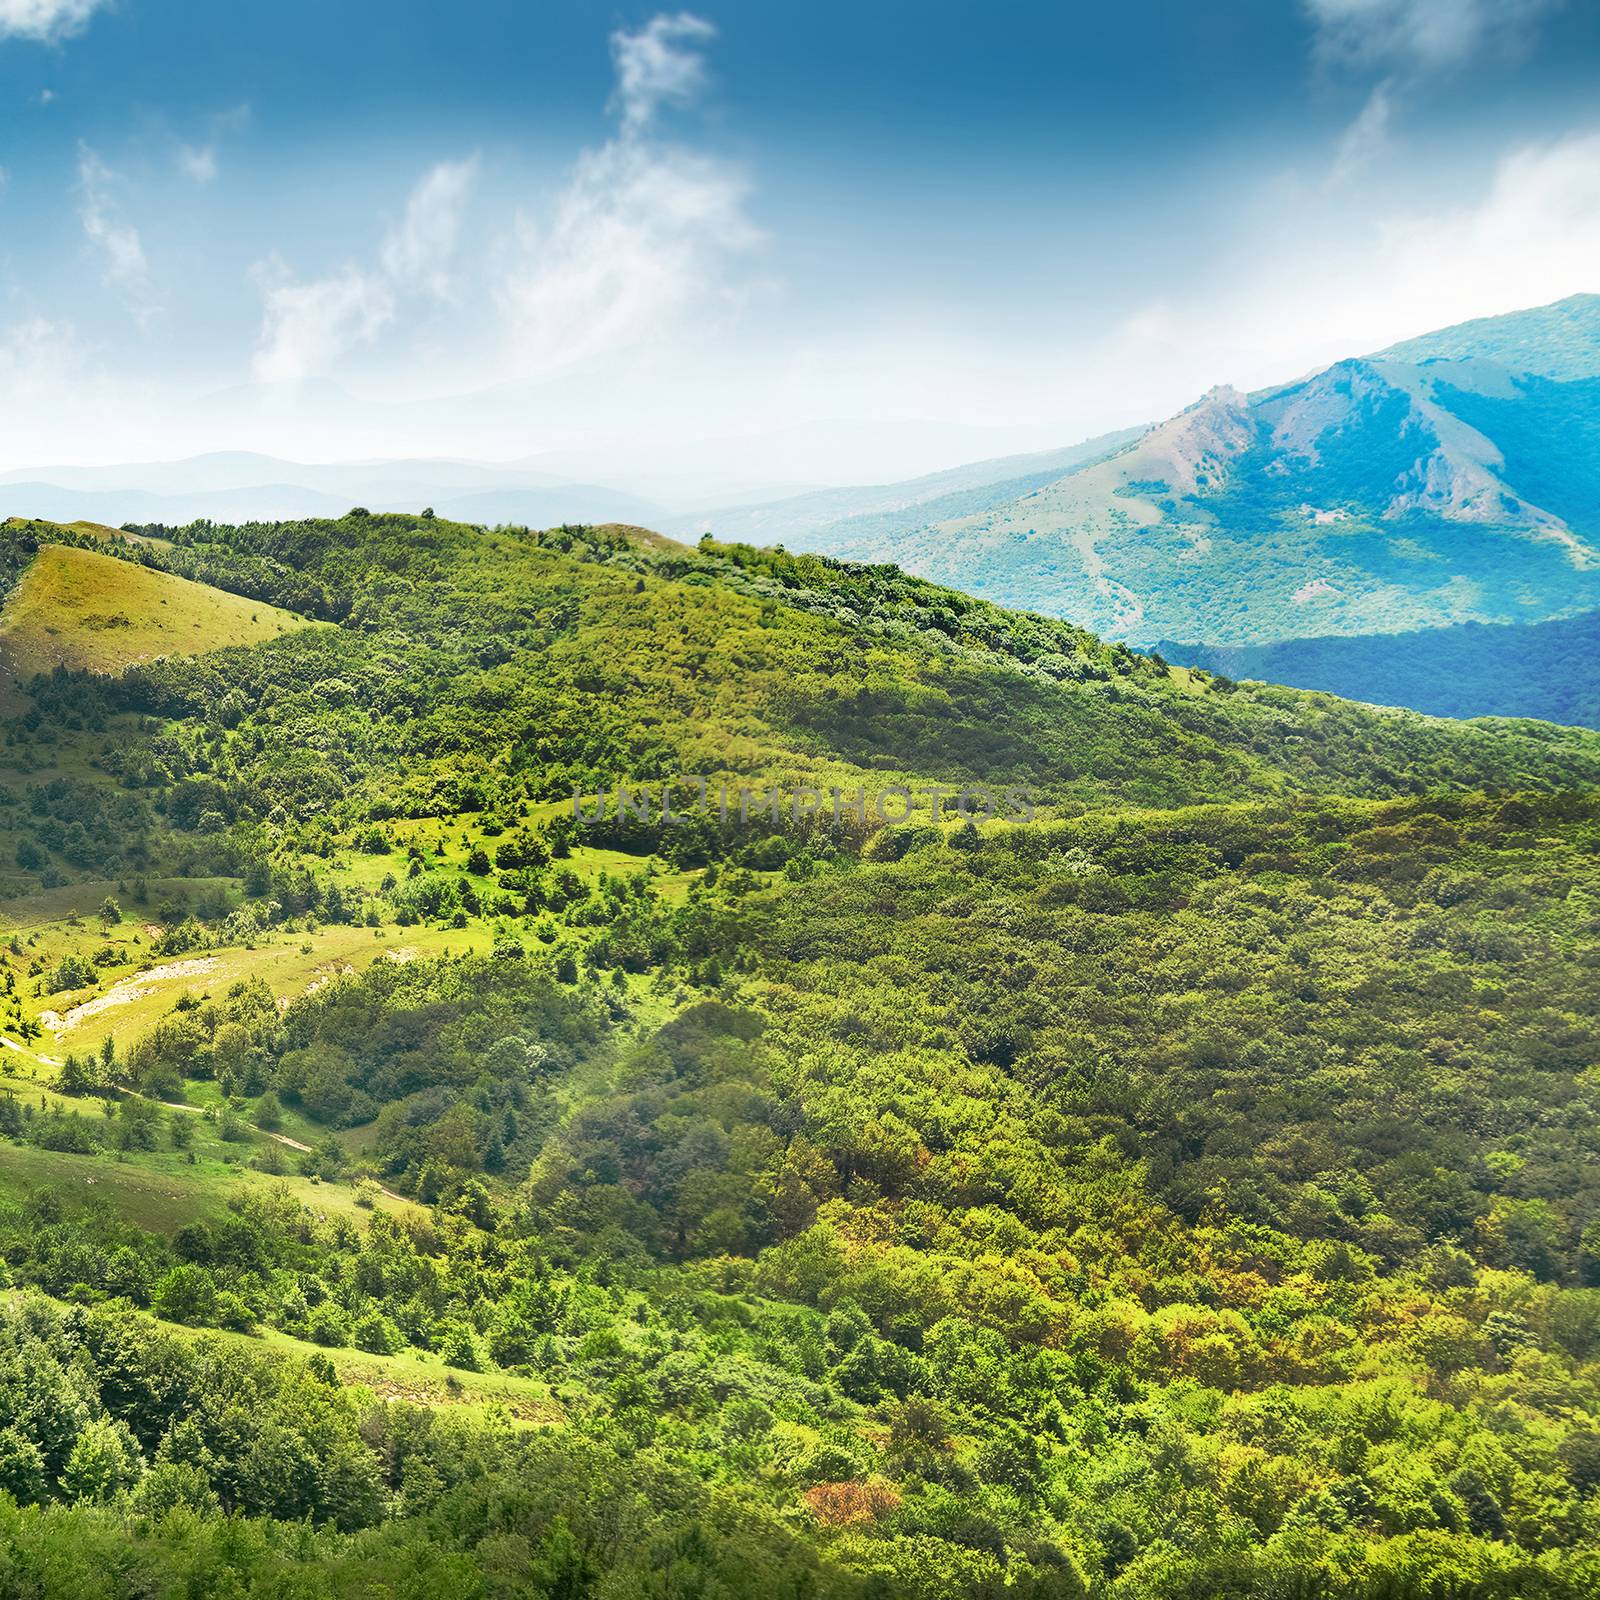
(659, 65)
(307, 327)
(420, 250)
(198, 162)
(639, 243)
(1421, 35)
(45, 20)
(1367, 137)
(38, 357)
(635, 246)
(1316, 279)
(1533, 237)
(1409, 42)
(116, 239)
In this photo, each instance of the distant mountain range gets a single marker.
(839, 519)
(239, 486)
(1455, 478)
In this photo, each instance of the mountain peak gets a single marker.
(1443, 480)
(1193, 451)
(1220, 396)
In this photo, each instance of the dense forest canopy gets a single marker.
(1188, 1192)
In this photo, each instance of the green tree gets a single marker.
(22, 1472)
(104, 1461)
(186, 1294)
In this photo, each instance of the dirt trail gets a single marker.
(23, 1050)
(281, 1138)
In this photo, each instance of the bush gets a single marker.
(327, 1326)
(376, 1333)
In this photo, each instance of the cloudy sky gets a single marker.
(830, 241)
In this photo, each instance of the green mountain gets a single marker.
(1182, 1183)
(1452, 479)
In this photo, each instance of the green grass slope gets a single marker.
(77, 609)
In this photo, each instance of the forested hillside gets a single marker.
(410, 1188)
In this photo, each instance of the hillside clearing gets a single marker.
(162, 1190)
(81, 610)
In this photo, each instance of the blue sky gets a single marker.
(842, 237)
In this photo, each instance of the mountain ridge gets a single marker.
(1560, 340)
(1375, 494)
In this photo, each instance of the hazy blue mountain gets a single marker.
(1454, 479)
(543, 508)
(235, 486)
(219, 470)
(259, 502)
(836, 520)
(1549, 670)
